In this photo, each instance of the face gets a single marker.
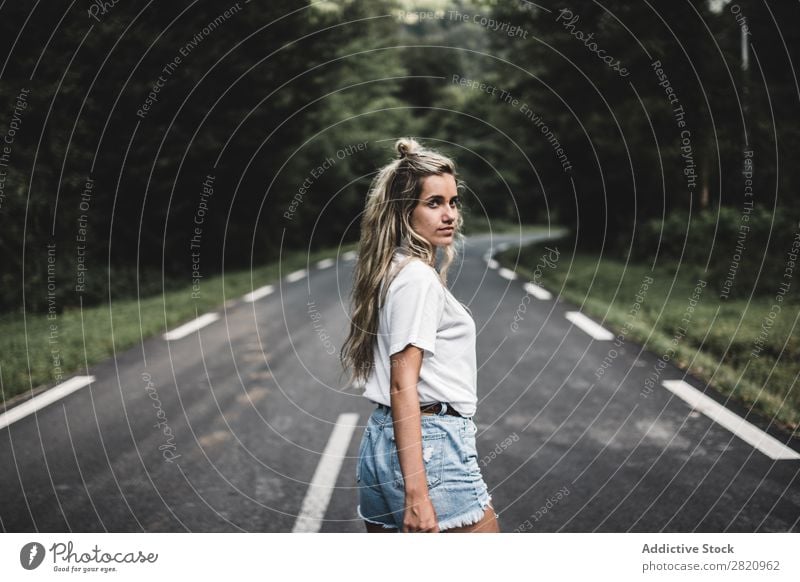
(434, 216)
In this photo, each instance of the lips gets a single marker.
(446, 229)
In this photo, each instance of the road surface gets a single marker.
(225, 428)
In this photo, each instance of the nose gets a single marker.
(448, 215)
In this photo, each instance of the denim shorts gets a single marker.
(455, 485)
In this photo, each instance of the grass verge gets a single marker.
(717, 344)
(36, 350)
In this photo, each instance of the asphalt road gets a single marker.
(224, 429)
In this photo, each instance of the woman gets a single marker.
(413, 344)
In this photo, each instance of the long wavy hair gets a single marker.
(386, 225)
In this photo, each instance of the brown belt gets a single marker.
(434, 408)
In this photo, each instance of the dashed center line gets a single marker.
(507, 274)
(191, 327)
(40, 401)
(262, 292)
(585, 324)
(537, 291)
(296, 276)
(746, 431)
(259, 293)
(322, 483)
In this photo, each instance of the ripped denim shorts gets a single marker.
(455, 485)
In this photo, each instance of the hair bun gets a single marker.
(407, 146)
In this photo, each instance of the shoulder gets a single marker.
(414, 271)
(415, 282)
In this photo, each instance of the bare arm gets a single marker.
(404, 376)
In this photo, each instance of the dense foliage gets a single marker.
(159, 145)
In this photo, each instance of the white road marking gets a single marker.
(595, 330)
(507, 274)
(296, 276)
(325, 263)
(492, 264)
(537, 291)
(349, 255)
(746, 431)
(40, 401)
(259, 293)
(322, 483)
(191, 327)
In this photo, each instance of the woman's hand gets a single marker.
(419, 515)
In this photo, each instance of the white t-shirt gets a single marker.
(419, 310)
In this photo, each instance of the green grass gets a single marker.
(85, 337)
(718, 341)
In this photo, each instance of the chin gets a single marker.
(441, 241)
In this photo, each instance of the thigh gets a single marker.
(379, 498)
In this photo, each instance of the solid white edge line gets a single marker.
(296, 276)
(507, 274)
(41, 400)
(325, 263)
(320, 490)
(259, 293)
(190, 327)
(537, 291)
(743, 429)
(585, 324)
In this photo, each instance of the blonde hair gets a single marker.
(386, 225)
